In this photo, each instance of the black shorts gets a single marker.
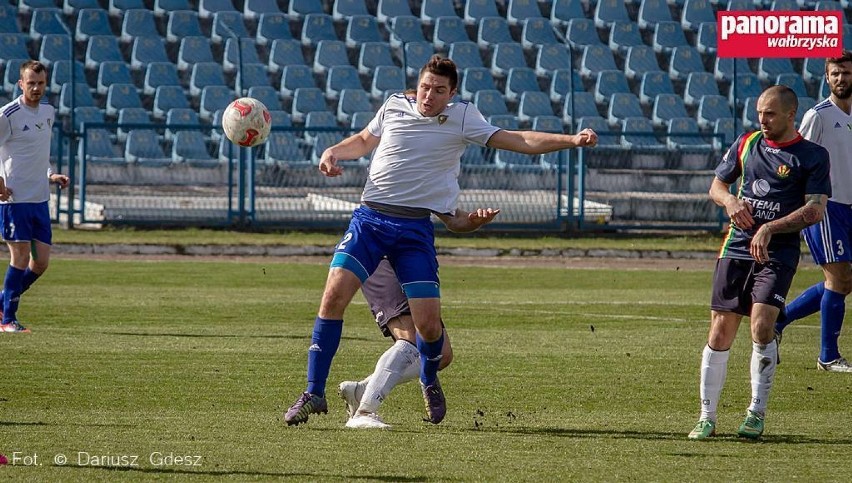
(385, 296)
(737, 284)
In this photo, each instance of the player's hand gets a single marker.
(586, 138)
(328, 165)
(5, 193)
(740, 212)
(60, 179)
(482, 216)
(759, 247)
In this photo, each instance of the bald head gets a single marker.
(776, 111)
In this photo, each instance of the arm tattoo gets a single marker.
(803, 217)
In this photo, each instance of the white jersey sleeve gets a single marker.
(811, 127)
(476, 129)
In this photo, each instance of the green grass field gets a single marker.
(199, 359)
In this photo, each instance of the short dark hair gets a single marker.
(789, 99)
(444, 67)
(34, 66)
(845, 56)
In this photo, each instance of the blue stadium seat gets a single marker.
(208, 8)
(120, 96)
(710, 109)
(705, 42)
(490, 102)
(813, 70)
(341, 77)
(253, 9)
(747, 85)
(595, 59)
(82, 97)
(343, 9)
(191, 148)
(465, 54)
(386, 78)
(606, 138)
(54, 47)
(162, 8)
(9, 19)
(180, 117)
(609, 11)
(582, 32)
(110, 73)
(580, 105)
(59, 74)
(652, 84)
(305, 100)
(667, 36)
(388, 9)
(562, 11)
(491, 31)
(651, 12)
(293, 77)
(316, 28)
(537, 31)
(268, 95)
(28, 6)
(360, 29)
(684, 61)
(181, 24)
(768, 69)
(326, 140)
(699, 84)
(13, 46)
(131, 118)
(564, 81)
(228, 25)
(532, 104)
(284, 53)
(281, 119)
(405, 29)
(667, 107)
(724, 133)
(159, 74)
(416, 56)
(805, 103)
(750, 120)
(284, 147)
(90, 21)
(251, 75)
(696, 12)
(360, 120)
(329, 53)
(205, 74)
(640, 60)
(88, 115)
(12, 73)
(447, 31)
(143, 147)
(518, 11)
(506, 56)
(829, 6)
(793, 81)
(231, 56)
(683, 135)
(723, 69)
(520, 80)
(473, 156)
(623, 105)
(372, 55)
(474, 79)
(824, 91)
(638, 134)
(551, 57)
(352, 101)
(147, 50)
(788, 5)
(193, 50)
(738, 5)
(102, 48)
(99, 148)
(430, 10)
(47, 21)
(213, 98)
(547, 124)
(318, 119)
(515, 161)
(167, 98)
(272, 27)
(608, 83)
(300, 9)
(477, 9)
(623, 35)
(138, 23)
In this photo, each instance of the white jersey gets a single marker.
(25, 150)
(417, 161)
(827, 125)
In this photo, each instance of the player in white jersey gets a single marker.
(25, 176)
(417, 144)
(829, 124)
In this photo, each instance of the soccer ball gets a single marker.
(246, 122)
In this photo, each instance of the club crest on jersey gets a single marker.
(442, 118)
(783, 171)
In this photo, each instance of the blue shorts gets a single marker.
(25, 222)
(828, 240)
(408, 244)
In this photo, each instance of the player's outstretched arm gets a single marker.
(534, 142)
(466, 222)
(737, 209)
(353, 147)
(808, 215)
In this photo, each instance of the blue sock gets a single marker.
(807, 303)
(12, 289)
(430, 359)
(833, 308)
(324, 345)
(29, 278)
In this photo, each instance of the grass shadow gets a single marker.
(238, 473)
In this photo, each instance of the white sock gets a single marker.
(390, 369)
(714, 369)
(763, 363)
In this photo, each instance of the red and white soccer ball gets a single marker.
(246, 122)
